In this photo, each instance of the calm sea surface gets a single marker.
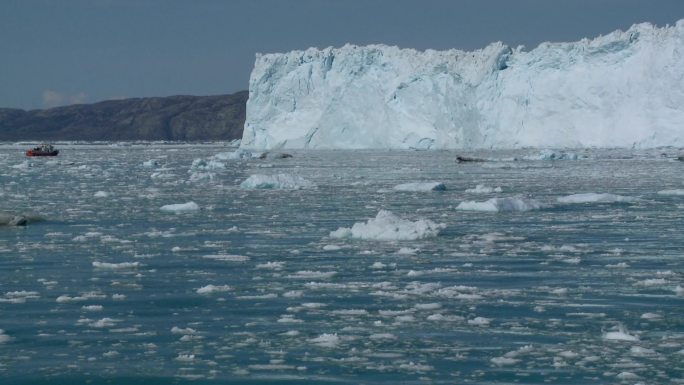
(251, 288)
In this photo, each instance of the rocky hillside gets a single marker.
(161, 118)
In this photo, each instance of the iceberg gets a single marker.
(616, 90)
(388, 227)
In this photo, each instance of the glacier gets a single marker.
(624, 89)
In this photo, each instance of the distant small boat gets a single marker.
(42, 150)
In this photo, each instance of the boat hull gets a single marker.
(42, 153)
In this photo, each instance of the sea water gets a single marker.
(522, 281)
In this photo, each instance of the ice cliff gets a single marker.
(625, 89)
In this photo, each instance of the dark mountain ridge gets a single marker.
(187, 118)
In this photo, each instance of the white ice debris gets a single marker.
(209, 289)
(326, 340)
(595, 198)
(101, 194)
(227, 257)
(4, 337)
(615, 90)
(552, 155)
(620, 335)
(151, 163)
(388, 227)
(115, 266)
(206, 165)
(279, 181)
(500, 205)
(677, 192)
(180, 207)
(421, 186)
(482, 189)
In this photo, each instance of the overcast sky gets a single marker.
(81, 51)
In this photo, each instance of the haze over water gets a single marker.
(249, 286)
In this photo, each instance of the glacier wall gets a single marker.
(624, 89)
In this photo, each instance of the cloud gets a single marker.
(53, 98)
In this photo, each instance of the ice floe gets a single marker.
(116, 266)
(508, 204)
(19, 296)
(595, 198)
(620, 335)
(278, 182)
(482, 189)
(227, 257)
(388, 227)
(4, 337)
(326, 340)
(677, 192)
(209, 289)
(420, 186)
(180, 207)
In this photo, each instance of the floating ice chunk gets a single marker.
(351, 312)
(185, 357)
(66, 299)
(651, 316)
(679, 290)
(627, 376)
(227, 257)
(416, 368)
(326, 340)
(271, 265)
(595, 198)
(382, 336)
(407, 251)
(151, 163)
(620, 335)
(421, 186)
(4, 337)
(92, 308)
(677, 192)
(479, 321)
(19, 296)
(652, 282)
(236, 155)
(201, 176)
(331, 247)
(118, 297)
(116, 266)
(201, 164)
(177, 330)
(101, 194)
(500, 205)
(104, 323)
(482, 189)
(308, 274)
(388, 227)
(209, 289)
(180, 207)
(504, 361)
(279, 181)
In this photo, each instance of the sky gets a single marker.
(56, 52)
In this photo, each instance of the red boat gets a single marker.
(43, 150)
